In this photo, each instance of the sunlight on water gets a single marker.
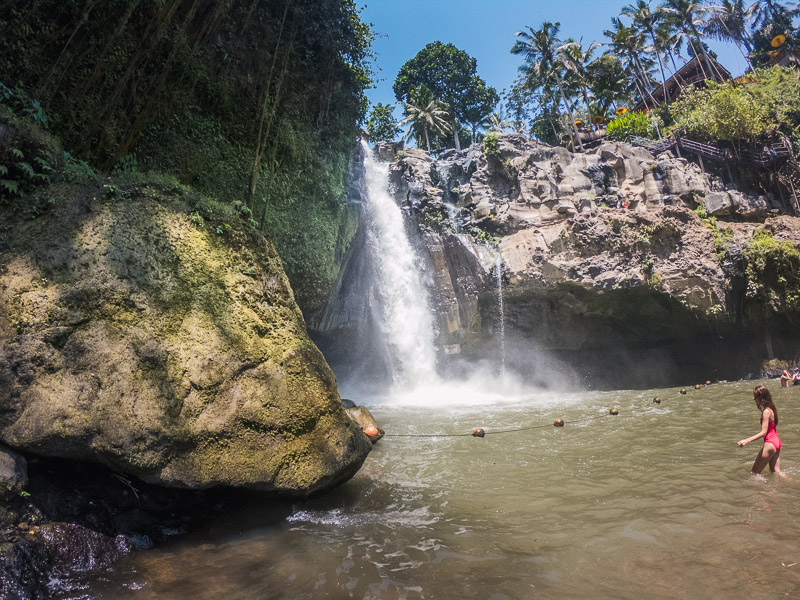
(654, 503)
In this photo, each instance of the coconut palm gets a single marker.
(728, 22)
(425, 115)
(763, 11)
(628, 45)
(575, 60)
(687, 18)
(497, 121)
(648, 21)
(543, 65)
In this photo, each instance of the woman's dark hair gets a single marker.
(764, 400)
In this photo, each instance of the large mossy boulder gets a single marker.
(138, 332)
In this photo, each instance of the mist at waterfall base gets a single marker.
(402, 363)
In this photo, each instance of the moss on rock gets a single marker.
(170, 347)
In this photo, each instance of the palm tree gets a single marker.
(425, 115)
(764, 11)
(686, 17)
(648, 22)
(576, 59)
(628, 45)
(497, 121)
(728, 22)
(539, 47)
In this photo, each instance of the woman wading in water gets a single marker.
(771, 452)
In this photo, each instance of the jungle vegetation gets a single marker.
(564, 81)
(255, 103)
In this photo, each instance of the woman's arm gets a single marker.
(764, 426)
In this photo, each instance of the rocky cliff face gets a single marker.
(608, 270)
(136, 333)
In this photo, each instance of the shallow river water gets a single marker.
(657, 502)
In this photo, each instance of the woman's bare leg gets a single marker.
(763, 458)
(775, 463)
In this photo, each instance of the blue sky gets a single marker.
(485, 30)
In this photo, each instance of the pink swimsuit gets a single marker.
(772, 435)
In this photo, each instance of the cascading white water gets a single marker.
(499, 270)
(405, 314)
(454, 216)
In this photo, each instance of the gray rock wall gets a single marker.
(605, 262)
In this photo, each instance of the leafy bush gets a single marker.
(633, 123)
(741, 113)
(773, 271)
(491, 144)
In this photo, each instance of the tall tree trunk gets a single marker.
(571, 117)
(643, 75)
(251, 192)
(427, 139)
(660, 66)
(699, 59)
(455, 134)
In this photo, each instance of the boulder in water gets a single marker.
(140, 335)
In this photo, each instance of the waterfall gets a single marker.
(403, 310)
(454, 216)
(499, 270)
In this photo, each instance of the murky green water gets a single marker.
(655, 503)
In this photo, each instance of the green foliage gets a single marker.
(382, 126)
(451, 76)
(773, 271)
(720, 113)
(201, 94)
(434, 216)
(723, 236)
(491, 144)
(481, 235)
(36, 113)
(128, 163)
(632, 123)
(479, 102)
(773, 21)
(609, 82)
(77, 170)
(742, 113)
(426, 116)
(22, 171)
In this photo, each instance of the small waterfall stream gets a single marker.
(405, 317)
(501, 312)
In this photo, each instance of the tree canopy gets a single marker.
(381, 125)
(451, 76)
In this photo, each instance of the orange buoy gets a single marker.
(698, 386)
(558, 422)
(614, 412)
(708, 382)
(478, 432)
(372, 433)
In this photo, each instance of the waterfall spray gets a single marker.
(404, 310)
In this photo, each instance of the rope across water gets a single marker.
(515, 430)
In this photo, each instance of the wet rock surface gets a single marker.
(76, 520)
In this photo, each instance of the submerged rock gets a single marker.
(137, 334)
